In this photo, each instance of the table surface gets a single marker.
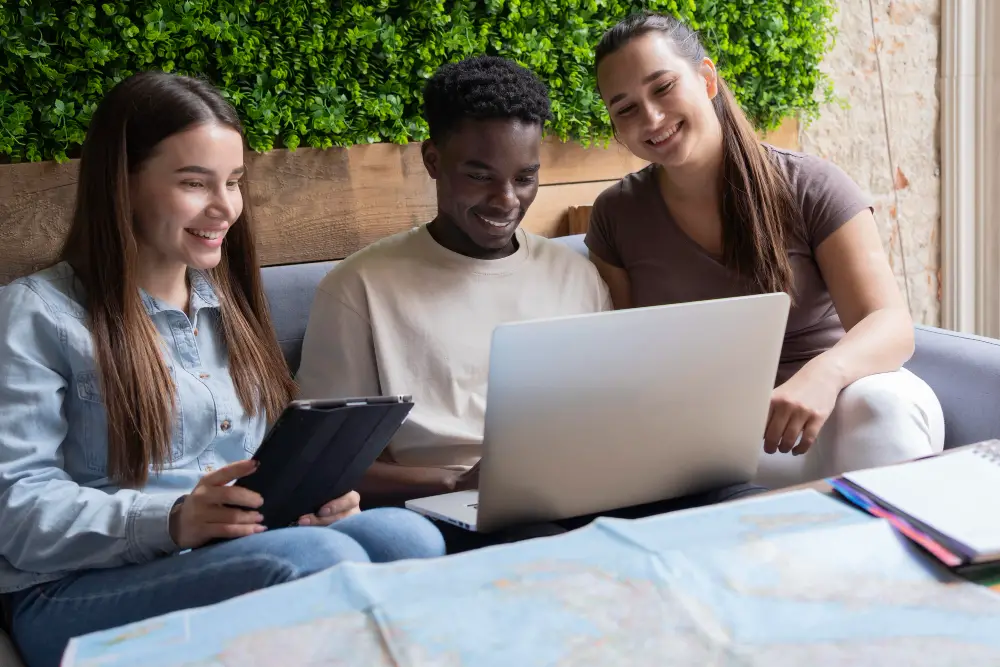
(822, 487)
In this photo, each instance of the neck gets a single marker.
(698, 181)
(449, 236)
(168, 283)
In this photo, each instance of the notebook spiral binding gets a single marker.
(989, 450)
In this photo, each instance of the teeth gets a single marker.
(495, 223)
(205, 235)
(666, 135)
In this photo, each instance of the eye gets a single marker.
(526, 180)
(665, 88)
(625, 110)
(480, 177)
(193, 184)
(232, 185)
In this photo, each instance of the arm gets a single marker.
(338, 361)
(601, 241)
(879, 335)
(51, 523)
(879, 327)
(617, 281)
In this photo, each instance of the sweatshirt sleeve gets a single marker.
(51, 523)
(338, 355)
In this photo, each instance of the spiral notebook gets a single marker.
(955, 498)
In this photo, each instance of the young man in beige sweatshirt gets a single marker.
(414, 313)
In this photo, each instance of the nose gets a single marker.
(223, 204)
(652, 114)
(504, 197)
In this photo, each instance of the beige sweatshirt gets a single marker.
(407, 316)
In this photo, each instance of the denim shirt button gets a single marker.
(203, 376)
(226, 425)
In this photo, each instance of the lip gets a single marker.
(665, 135)
(218, 235)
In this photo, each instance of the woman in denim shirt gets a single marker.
(138, 374)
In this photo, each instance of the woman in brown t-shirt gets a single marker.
(718, 214)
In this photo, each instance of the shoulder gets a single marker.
(625, 191)
(567, 254)
(41, 314)
(372, 261)
(825, 195)
(53, 292)
(809, 173)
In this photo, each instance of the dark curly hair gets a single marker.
(483, 87)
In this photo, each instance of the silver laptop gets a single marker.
(590, 413)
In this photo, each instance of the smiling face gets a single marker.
(487, 176)
(186, 196)
(661, 104)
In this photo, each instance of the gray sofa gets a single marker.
(964, 370)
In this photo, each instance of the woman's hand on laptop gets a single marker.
(799, 407)
(335, 510)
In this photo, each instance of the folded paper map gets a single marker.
(790, 579)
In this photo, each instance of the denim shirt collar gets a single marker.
(203, 295)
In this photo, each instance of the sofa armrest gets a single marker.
(964, 372)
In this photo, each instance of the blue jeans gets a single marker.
(47, 616)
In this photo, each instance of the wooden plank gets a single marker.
(314, 205)
(548, 214)
(785, 136)
(36, 202)
(572, 163)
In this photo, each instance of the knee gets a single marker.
(291, 553)
(390, 533)
(874, 401)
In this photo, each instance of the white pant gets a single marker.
(878, 420)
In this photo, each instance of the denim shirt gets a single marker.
(59, 512)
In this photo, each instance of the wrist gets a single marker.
(174, 521)
(829, 369)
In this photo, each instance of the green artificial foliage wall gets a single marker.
(326, 73)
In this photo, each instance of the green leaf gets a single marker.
(323, 74)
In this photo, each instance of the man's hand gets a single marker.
(468, 480)
(335, 510)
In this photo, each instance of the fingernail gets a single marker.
(305, 521)
(258, 517)
(259, 529)
(326, 511)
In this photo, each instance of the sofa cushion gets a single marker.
(290, 291)
(964, 372)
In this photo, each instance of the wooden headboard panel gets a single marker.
(309, 204)
(313, 205)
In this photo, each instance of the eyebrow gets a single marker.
(649, 79)
(195, 169)
(482, 165)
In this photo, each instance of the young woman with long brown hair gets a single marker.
(139, 374)
(719, 214)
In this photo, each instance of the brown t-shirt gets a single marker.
(631, 228)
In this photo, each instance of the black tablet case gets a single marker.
(314, 455)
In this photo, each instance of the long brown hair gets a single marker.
(139, 395)
(757, 205)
